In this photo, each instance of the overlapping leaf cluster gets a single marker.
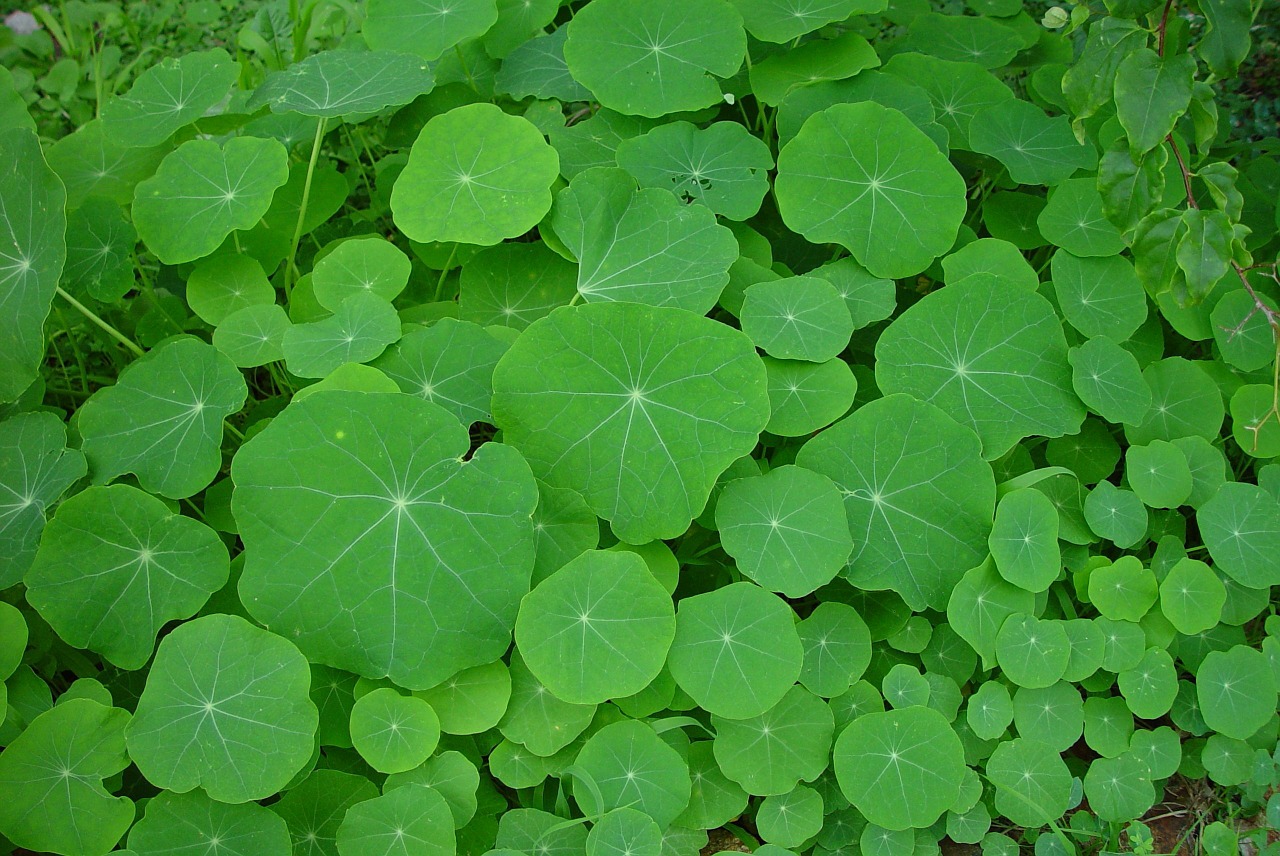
(567, 430)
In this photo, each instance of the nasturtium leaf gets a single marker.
(473, 700)
(722, 166)
(370, 265)
(563, 527)
(100, 245)
(790, 819)
(1123, 590)
(531, 830)
(1116, 514)
(162, 419)
(91, 164)
(1242, 333)
(449, 363)
(1108, 723)
(863, 176)
(902, 769)
(736, 650)
(632, 766)
(1150, 687)
(1024, 540)
(1032, 783)
(224, 284)
(253, 336)
(807, 396)
(359, 331)
(637, 408)
(653, 57)
(1160, 748)
(798, 318)
(537, 68)
(1192, 597)
(453, 776)
(814, 61)
(837, 648)
(36, 467)
(515, 284)
(32, 234)
(1123, 644)
(1011, 216)
(624, 832)
(996, 358)
(169, 96)
(904, 686)
(314, 809)
(1099, 296)
(1158, 473)
(1236, 689)
(394, 733)
(516, 767)
(538, 720)
(957, 90)
(1073, 219)
(979, 605)
(1032, 652)
(642, 245)
(1034, 148)
(341, 82)
(594, 141)
(202, 192)
(191, 822)
(964, 38)
(51, 781)
(596, 629)
(989, 710)
(786, 529)
(769, 753)
(1108, 380)
(225, 708)
(1053, 715)
(714, 799)
(425, 29)
(918, 496)
(475, 175)
(779, 21)
(889, 90)
(1255, 420)
(115, 564)
(413, 820)
(989, 260)
(1185, 403)
(1119, 789)
(342, 483)
(1241, 527)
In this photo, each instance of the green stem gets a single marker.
(233, 430)
(463, 60)
(443, 274)
(103, 325)
(577, 295)
(291, 271)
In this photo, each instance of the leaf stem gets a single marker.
(103, 325)
(291, 272)
(233, 430)
(443, 274)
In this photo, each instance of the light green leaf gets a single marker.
(1099, 296)
(1241, 527)
(191, 822)
(202, 192)
(798, 318)
(1151, 92)
(1192, 597)
(449, 363)
(989, 710)
(537, 69)
(1236, 689)
(360, 330)
(169, 96)
(33, 249)
(413, 820)
(632, 766)
(637, 408)
(1158, 473)
(815, 61)
(317, 518)
(392, 732)
(1150, 687)
(1024, 540)
(1119, 789)
(642, 246)
(837, 648)
(115, 565)
(997, 359)
(226, 709)
(1034, 148)
(222, 285)
(36, 468)
(778, 21)
(917, 493)
(596, 629)
(1109, 382)
(425, 28)
(1032, 652)
(963, 38)
(958, 90)
(805, 397)
(92, 164)
(1073, 219)
(100, 246)
(471, 701)
(538, 720)
(162, 420)
(475, 175)
(371, 265)
(515, 284)
(314, 809)
(453, 776)
(865, 177)
(768, 754)
(624, 832)
(253, 336)
(653, 57)
(980, 604)
(341, 82)
(1255, 422)
(902, 769)
(736, 650)
(790, 819)
(1032, 783)
(1116, 514)
(714, 800)
(1052, 715)
(1123, 590)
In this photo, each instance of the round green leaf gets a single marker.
(341, 82)
(790, 819)
(779, 21)
(918, 496)
(202, 192)
(1119, 789)
(428, 29)
(865, 177)
(1099, 296)
(162, 420)
(652, 58)
(1024, 540)
(225, 708)
(989, 711)
(769, 753)
(413, 820)
(253, 336)
(315, 808)
(361, 329)
(168, 96)
(453, 776)
(36, 467)
(977, 39)
(473, 700)
(1150, 687)
(996, 358)
(1116, 514)
(514, 284)
(370, 265)
(1109, 382)
(115, 565)
(449, 363)
(1073, 219)
(1053, 715)
(837, 648)
(786, 529)
(475, 175)
(222, 285)
(359, 517)
(1159, 474)
(1185, 402)
(1032, 783)
(175, 823)
(714, 800)
(598, 628)
(1236, 690)
(1192, 597)
(100, 246)
(736, 650)
(979, 605)
(957, 90)
(1123, 590)
(1241, 527)
(1035, 148)
(799, 318)
(807, 396)
(624, 832)
(632, 766)
(538, 720)
(1242, 332)
(52, 796)
(637, 408)
(902, 769)
(1255, 421)
(537, 68)
(394, 733)
(1032, 652)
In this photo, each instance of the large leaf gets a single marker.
(426, 28)
(341, 82)
(176, 823)
(36, 467)
(169, 96)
